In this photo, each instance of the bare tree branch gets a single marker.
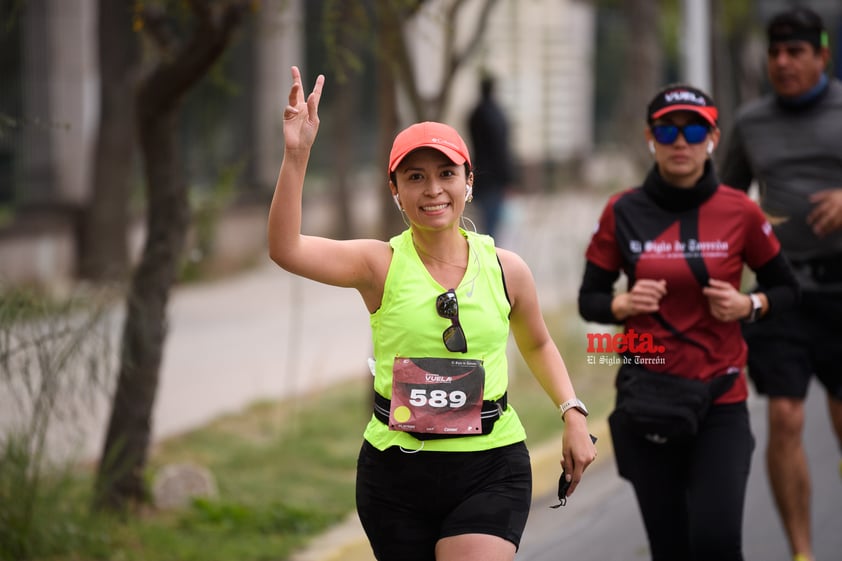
(455, 60)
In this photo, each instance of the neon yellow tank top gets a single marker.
(407, 325)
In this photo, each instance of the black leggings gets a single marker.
(691, 493)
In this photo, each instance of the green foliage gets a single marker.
(345, 27)
(208, 208)
(6, 214)
(236, 518)
(53, 362)
(672, 33)
(7, 125)
(11, 11)
(736, 14)
(214, 123)
(21, 303)
(36, 518)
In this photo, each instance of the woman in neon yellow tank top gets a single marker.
(443, 473)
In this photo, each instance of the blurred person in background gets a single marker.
(494, 162)
(680, 425)
(790, 142)
(443, 473)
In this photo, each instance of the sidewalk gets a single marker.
(262, 335)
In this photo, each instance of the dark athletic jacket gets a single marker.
(686, 236)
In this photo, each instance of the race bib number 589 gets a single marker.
(437, 395)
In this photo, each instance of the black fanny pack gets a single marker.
(491, 411)
(661, 407)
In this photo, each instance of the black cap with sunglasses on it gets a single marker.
(682, 98)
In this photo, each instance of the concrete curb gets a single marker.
(347, 541)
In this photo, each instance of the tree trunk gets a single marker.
(642, 76)
(120, 481)
(343, 155)
(396, 70)
(103, 248)
(455, 59)
(144, 331)
(345, 111)
(387, 118)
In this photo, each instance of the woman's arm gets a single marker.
(778, 291)
(545, 361)
(353, 263)
(597, 301)
(779, 286)
(596, 294)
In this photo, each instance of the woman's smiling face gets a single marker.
(431, 188)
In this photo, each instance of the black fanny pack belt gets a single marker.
(491, 411)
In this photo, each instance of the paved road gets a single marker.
(601, 521)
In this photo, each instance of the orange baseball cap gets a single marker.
(429, 134)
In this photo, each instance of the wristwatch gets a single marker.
(756, 307)
(574, 403)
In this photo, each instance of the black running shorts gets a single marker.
(407, 501)
(786, 350)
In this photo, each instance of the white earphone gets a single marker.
(397, 200)
(652, 146)
(710, 147)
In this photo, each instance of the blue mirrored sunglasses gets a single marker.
(667, 134)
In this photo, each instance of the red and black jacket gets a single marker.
(686, 236)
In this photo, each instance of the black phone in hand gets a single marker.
(564, 484)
